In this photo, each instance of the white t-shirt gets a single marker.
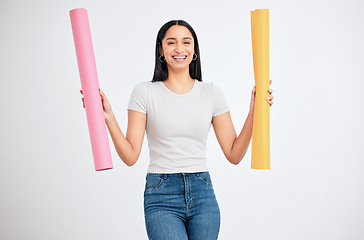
(177, 124)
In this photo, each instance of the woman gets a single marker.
(176, 110)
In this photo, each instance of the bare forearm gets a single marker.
(122, 145)
(241, 143)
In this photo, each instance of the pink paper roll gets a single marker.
(90, 87)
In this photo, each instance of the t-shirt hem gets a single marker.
(170, 171)
(221, 112)
(137, 110)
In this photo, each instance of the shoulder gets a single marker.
(205, 85)
(208, 84)
(210, 87)
(147, 85)
(142, 87)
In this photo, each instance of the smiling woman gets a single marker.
(176, 110)
(177, 35)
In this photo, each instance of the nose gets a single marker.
(179, 48)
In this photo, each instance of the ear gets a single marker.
(160, 50)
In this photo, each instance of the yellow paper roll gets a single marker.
(261, 134)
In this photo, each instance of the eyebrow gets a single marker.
(172, 38)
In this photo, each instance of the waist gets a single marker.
(181, 166)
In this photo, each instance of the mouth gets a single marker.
(179, 58)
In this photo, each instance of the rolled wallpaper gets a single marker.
(260, 158)
(90, 87)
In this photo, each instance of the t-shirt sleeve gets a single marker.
(220, 103)
(138, 98)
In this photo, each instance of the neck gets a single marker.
(179, 82)
(178, 77)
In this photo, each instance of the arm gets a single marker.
(234, 148)
(129, 147)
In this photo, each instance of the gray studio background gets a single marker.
(315, 189)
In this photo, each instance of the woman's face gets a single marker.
(178, 47)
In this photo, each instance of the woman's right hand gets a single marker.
(108, 113)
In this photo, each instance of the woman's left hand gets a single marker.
(269, 98)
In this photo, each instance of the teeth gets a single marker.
(180, 57)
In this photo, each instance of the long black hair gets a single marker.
(160, 69)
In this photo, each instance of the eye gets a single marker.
(170, 43)
(187, 42)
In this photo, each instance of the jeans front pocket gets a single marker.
(205, 176)
(154, 181)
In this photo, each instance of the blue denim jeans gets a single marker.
(181, 206)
